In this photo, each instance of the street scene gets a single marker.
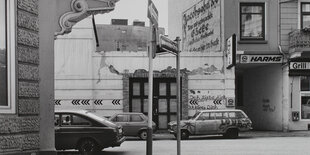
(154, 77)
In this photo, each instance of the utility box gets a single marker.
(295, 115)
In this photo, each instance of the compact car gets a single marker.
(208, 122)
(85, 131)
(134, 124)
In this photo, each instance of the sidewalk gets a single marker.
(166, 135)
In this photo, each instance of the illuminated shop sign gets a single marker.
(261, 59)
(299, 65)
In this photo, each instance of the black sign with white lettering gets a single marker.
(299, 69)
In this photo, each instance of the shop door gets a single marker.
(164, 101)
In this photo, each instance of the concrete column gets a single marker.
(286, 98)
(47, 21)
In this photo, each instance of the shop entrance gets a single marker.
(164, 101)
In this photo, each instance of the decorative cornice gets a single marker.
(80, 10)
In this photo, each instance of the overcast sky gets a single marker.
(136, 9)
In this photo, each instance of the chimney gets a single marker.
(119, 21)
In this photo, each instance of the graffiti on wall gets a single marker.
(202, 27)
(202, 100)
(268, 108)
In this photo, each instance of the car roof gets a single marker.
(220, 110)
(72, 111)
(127, 113)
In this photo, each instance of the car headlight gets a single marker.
(120, 130)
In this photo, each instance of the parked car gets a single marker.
(134, 124)
(209, 122)
(85, 131)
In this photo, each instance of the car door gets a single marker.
(136, 123)
(72, 128)
(123, 120)
(206, 123)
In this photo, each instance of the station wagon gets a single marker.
(208, 122)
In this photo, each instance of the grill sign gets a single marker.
(261, 59)
(299, 65)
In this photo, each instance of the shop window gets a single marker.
(305, 97)
(252, 21)
(305, 15)
(7, 56)
(305, 83)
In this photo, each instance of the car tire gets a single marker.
(184, 134)
(143, 134)
(232, 133)
(88, 146)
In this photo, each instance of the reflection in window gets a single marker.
(135, 118)
(252, 21)
(136, 105)
(305, 83)
(305, 15)
(305, 107)
(3, 55)
(77, 120)
(136, 88)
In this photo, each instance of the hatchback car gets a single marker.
(85, 131)
(208, 122)
(134, 124)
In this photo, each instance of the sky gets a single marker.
(136, 10)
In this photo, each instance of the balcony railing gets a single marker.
(299, 39)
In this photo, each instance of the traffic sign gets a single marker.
(152, 13)
(167, 45)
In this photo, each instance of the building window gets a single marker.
(252, 21)
(305, 97)
(305, 15)
(7, 56)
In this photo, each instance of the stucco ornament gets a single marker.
(81, 9)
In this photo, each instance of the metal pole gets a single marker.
(150, 97)
(178, 97)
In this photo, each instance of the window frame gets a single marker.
(303, 13)
(10, 108)
(262, 4)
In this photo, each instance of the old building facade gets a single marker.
(28, 28)
(271, 72)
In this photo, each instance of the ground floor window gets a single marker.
(305, 97)
(164, 101)
(7, 56)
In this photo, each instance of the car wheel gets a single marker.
(232, 133)
(88, 146)
(184, 134)
(143, 134)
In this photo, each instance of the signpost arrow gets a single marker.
(167, 45)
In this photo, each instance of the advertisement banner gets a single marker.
(201, 30)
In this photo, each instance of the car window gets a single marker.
(78, 120)
(232, 115)
(56, 120)
(136, 118)
(121, 118)
(225, 115)
(212, 115)
(239, 114)
(218, 115)
(65, 119)
(204, 116)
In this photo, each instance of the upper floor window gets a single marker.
(305, 15)
(252, 21)
(7, 56)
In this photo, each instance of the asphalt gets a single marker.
(166, 135)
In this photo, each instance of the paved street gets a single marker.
(279, 144)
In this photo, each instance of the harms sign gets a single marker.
(261, 59)
(201, 30)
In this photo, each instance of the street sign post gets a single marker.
(152, 14)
